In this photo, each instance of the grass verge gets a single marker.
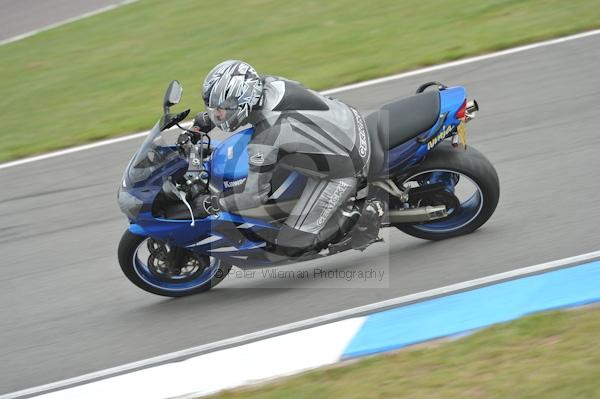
(547, 356)
(105, 75)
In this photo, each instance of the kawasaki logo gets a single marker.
(233, 183)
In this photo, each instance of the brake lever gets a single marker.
(182, 196)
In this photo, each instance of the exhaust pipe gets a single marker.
(470, 110)
(472, 106)
(421, 214)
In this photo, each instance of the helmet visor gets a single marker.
(225, 115)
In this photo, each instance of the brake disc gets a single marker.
(169, 266)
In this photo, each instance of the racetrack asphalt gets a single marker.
(67, 310)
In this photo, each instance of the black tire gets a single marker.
(470, 163)
(127, 249)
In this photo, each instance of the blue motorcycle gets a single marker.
(436, 187)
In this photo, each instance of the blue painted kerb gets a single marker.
(457, 313)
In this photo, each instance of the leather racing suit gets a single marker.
(320, 137)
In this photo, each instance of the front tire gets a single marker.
(466, 216)
(138, 269)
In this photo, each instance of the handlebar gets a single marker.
(170, 120)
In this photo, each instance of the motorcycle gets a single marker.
(435, 187)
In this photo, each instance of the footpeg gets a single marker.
(341, 246)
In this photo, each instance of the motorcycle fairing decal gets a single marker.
(205, 241)
(223, 249)
(261, 245)
(437, 139)
(433, 137)
(245, 226)
(233, 183)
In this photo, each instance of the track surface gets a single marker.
(21, 16)
(67, 310)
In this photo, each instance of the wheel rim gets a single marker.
(467, 194)
(149, 263)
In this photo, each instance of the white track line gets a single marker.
(464, 61)
(330, 91)
(64, 22)
(328, 318)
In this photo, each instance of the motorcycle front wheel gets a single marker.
(164, 270)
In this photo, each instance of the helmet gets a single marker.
(230, 91)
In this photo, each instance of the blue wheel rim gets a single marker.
(142, 270)
(470, 207)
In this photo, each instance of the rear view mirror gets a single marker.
(172, 95)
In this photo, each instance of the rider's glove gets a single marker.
(184, 143)
(203, 123)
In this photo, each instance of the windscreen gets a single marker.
(158, 151)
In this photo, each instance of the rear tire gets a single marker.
(470, 163)
(134, 270)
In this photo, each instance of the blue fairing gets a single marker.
(229, 167)
(450, 101)
(219, 236)
(229, 162)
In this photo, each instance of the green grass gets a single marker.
(546, 356)
(105, 75)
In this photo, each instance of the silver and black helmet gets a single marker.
(230, 91)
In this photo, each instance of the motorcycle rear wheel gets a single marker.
(451, 165)
(199, 274)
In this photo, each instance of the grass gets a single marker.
(105, 75)
(547, 356)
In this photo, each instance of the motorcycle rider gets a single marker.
(297, 129)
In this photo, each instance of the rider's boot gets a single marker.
(366, 230)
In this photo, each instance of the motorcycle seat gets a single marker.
(399, 121)
(403, 119)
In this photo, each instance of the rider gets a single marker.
(297, 129)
